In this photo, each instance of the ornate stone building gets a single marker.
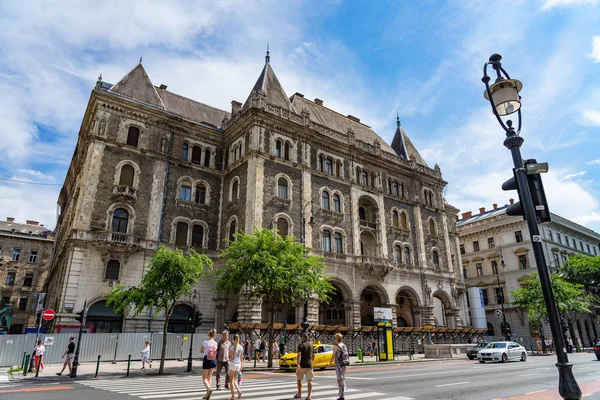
(25, 254)
(154, 168)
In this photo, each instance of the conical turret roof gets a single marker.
(268, 85)
(137, 85)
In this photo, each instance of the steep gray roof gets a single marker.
(191, 109)
(137, 85)
(398, 143)
(269, 85)
(16, 228)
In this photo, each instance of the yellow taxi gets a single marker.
(322, 352)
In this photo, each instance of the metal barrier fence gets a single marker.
(111, 346)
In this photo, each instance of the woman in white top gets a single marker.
(236, 353)
(146, 356)
(209, 362)
(39, 350)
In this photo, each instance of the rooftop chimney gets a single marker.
(162, 86)
(30, 222)
(353, 118)
(467, 214)
(10, 219)
(511, 201)
(481, 210)
(495, 206)
(319, 101)
(457, 218)
(236, 106)
(299, 94)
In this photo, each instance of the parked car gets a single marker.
(323, 352)
(597, 350)
(472, 352)
(503, 352)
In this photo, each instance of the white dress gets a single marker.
(235, 363)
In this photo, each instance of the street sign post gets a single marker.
(48, 315)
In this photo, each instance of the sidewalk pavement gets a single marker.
(172, 367)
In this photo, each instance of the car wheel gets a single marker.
(504, 358)
(481, 361)
(523, 356)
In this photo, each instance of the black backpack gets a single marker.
(344, 358)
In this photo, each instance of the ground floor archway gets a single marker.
(103, 318)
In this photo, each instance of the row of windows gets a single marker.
(396, 189)
(196, 155)
(365, 179)
(22, 302)
(499, 291)
(282, 150)
(490, 242)
(187, 192)
(11, 278)
(330, 167)
(16, 255)
(573, 243)
(522, 262)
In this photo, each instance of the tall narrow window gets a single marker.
(479, 269)
(518, 236)
(484, 296)
(286, 151)
(397, 254)
(500, 295)
(476, 245)
(282, 227)
(325, 200)
(373, 179)
(396, 189)
(364, 178)
(362, 214)
(403, 221)
(112, 270)
(207, 158)
(196, 154)
(395, 219)
(119, 220)
(321, 163)
(556, 260)
(16, 255)
(232, 230)
(28, 282)
(326, 241)
(494, 267)
(337, 243)
(181, 234)
(436, 260)
(185, 192)
(33, 256)
(523, 261)
(329, 166)
(337, 204)
(462, 249)
(402, 193)
(432, 231)
(133, 135)
(200, 194)
(406, 255)
(282, 188)
(338, 168)
(184, 151)
(465, 273)
(234, 190)
(278, 148)
(491, 243)
(126, 178)
(558, 239)
(198, 236)
(10, 278)
(23, 304)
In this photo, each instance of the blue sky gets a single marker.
(367, 59)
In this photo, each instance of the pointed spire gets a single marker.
(138, 86)
(268, 56)
(398, 144)
(140, 59)
(398, 119)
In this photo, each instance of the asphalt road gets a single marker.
(456, 379)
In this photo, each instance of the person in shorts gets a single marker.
(69, 353)
(236, 360)
(305, 366)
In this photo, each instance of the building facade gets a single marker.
(152, 168)
(25, 255)
(497, 254)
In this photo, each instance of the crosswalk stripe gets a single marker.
(289, 394)
(250, 389)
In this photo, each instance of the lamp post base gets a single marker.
(567, 385)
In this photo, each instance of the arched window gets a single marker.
(326, 241)
(325, 200)
(406, 255)
(402, 190)
(196, 154)
(432, 231)
(278, 148)
(198, 236)
(403, 221)
(232, 230)
(337, 203)
(396, 191)
(362, 214)
(338, 168)
(200, 194)
(286, 151)
(373, 180)
(133, 135)
(390, 186)
(397, 253)
(184, 152)
(120, 220)
(321, 161)
(282, 227)
(436, 260)
(126, 178)
(431, 199)
(181, 234)
(329, 166)
(185, 191)
(395, 220)
(207, 158)
(364, 178)
(357, 174)
(337, 243)
(112, 270)
(282, 188)
(234, 190)
(490, 329)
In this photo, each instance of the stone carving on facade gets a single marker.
(351, 136)
(377, 146)
(377, 270)
(426, 292)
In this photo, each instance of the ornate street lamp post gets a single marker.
(305, 323)
(505, 331)
(194, 299)
(504, 98)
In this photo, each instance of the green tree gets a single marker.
(571, 299)
(263, 265)
(584, 270)
(170, 276)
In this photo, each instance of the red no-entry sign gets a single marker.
(48, 315)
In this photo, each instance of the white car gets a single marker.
(503, 352)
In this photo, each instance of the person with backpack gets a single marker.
(341, 359)
(209, 362)
(223, 358)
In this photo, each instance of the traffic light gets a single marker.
(197, 319)
(81, 316)
(536, 190)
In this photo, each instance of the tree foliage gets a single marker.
(171, 276)
(583, 270)
(277, 270)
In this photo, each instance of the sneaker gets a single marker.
(59, 373)
(226, 386)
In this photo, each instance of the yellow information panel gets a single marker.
(386, 340)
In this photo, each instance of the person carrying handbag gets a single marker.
(341, 359)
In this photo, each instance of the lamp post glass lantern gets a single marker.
(503, 92)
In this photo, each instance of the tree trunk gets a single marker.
(163, 352)
(270, 346)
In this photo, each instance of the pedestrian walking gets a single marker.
(262, 350)
(146, 355)
(69, 354)
(209, 362)
(257, 344)
(236, 352)
(247, 350)
(570, 346)
(305, 366)
(275, 350)
(370, 348)
(223, 358)
(39, 351)
(341, 359)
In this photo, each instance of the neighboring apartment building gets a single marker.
(497, 254)
(152, 168)
(25, 254)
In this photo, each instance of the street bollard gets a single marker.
(255, 357)
(128, 364)
(26, 364)
(359, 354)
(97, 366)
(23, 361)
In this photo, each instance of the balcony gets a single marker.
(117, 241)
(375, 267)
(123, 192)
(367, 224)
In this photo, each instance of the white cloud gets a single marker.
(573, 175)
(35, 174)
(596, 48)
(18, 201)
(593, 162)
(591, 117)
(566, 3)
